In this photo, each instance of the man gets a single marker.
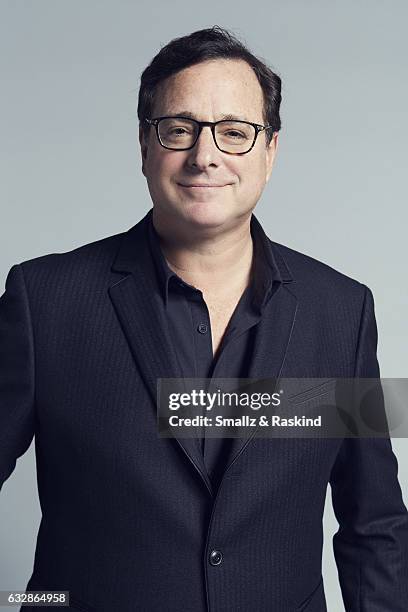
(133, 521)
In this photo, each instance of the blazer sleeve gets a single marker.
(371, 544)
(16, 373)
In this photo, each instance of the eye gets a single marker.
(175, 131)
(234, 134)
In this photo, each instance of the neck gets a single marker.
(216, 262)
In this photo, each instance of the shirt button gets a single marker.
(215, 557)
(202, 328)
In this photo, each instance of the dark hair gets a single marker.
(199, 46)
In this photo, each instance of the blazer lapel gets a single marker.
(140, 310)
(273, 336)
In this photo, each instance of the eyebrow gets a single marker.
(193, 116)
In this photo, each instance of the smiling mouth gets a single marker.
(202, 186)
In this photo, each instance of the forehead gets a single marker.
(213, 88)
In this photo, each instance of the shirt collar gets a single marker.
(265, 271)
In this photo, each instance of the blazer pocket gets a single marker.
(315, 602)
(322, 389)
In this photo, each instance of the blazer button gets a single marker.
(215, 557)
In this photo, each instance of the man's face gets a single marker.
(208, 91)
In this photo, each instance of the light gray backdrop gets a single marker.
(70, 163)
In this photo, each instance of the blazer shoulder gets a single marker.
(88, 263)
(313, 275)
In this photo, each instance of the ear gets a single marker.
(271, 150)
(143, 148)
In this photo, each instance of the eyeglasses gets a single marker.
(235, 137)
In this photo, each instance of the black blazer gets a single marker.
(129, 520)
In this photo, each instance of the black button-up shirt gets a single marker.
(190, 328)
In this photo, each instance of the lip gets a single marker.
(201, 186)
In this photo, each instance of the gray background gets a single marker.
(70, 162)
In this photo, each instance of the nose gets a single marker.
(205, 152)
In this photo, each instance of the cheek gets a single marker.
(156, 174)
(164, 168)
(253, 176)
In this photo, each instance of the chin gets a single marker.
(207, 214)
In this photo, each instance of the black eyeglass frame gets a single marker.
(258, 128)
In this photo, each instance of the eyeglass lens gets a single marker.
(231, 136)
